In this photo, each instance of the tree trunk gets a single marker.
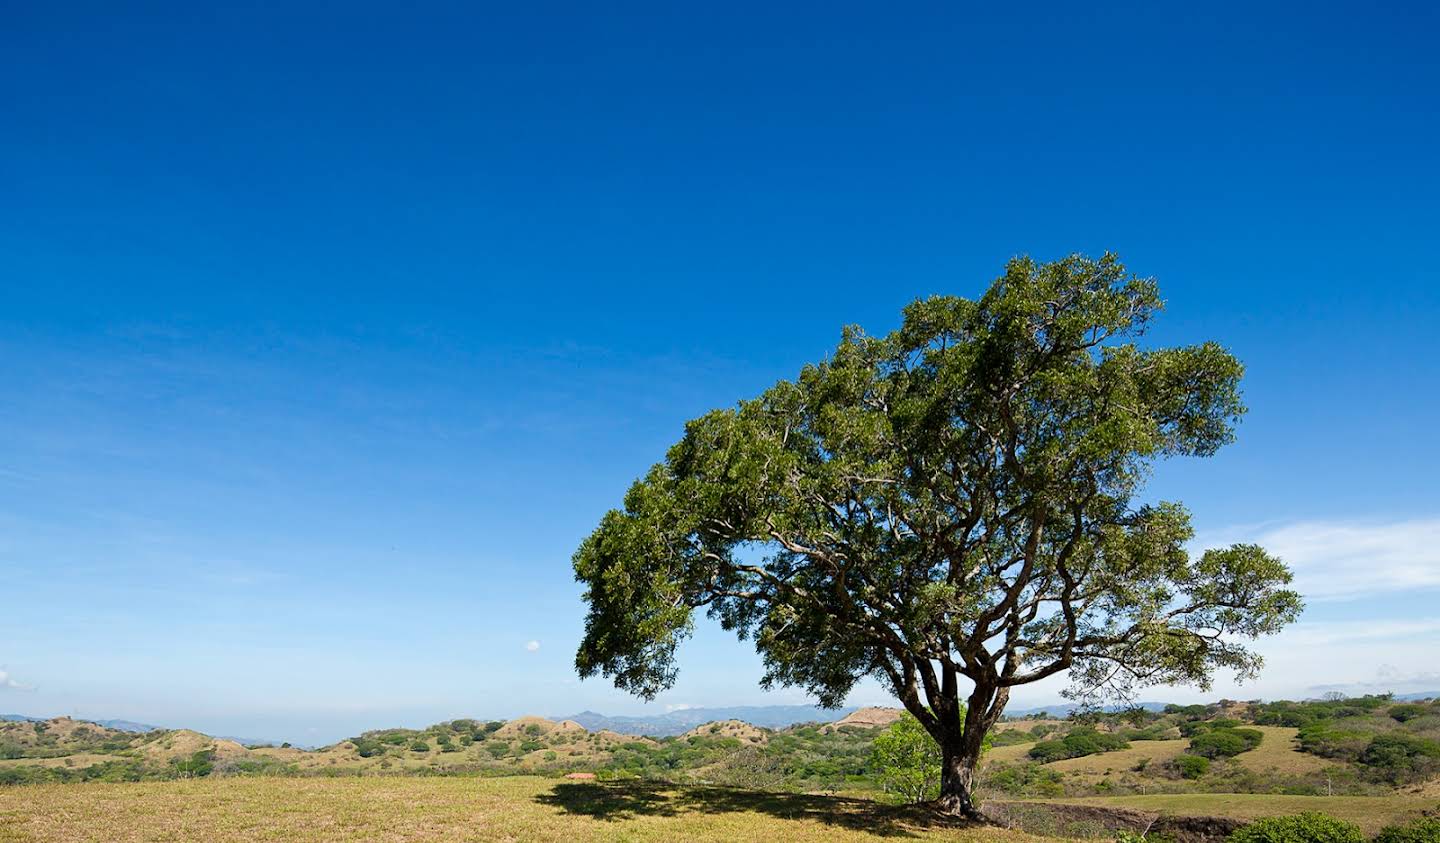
(957, 781)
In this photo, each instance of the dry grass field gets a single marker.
(1278, 753)
(450, 809)
(1122, 759)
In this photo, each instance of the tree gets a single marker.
(952, 502)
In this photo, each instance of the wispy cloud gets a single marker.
(1342, 632)
(1343, 560)
(9, 683)
(1388, 678)
(532, 646)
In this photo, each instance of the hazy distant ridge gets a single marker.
(685, 719)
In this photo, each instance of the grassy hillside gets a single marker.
(1369, 746)
(1371, 813)
(436, 809)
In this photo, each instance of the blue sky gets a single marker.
(329, 330)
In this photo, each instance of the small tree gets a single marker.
(907, 760)
(948, 505)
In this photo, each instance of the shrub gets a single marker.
(1399, 757)
(1298, 828)
(1026, 780)
(199, 764)
(1010, 737)
(1080, 742)
(1047, 751)
(367, 747)
(906, 761)
(1322, 739)
(1156, 732)
(1408, 711)
(1225, 742)
(1423, 830)
(1192, 766)
(419, 746)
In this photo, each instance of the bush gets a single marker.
(1408, 711)
(1400, 757)
(1010, 737)
(1157, 732)
(1322, 739)
(1192, 728)
(1298, 828)
(1423, 830)
(1225, 742)
(199, 764)
(367, 748)
(1080, 742)
(1192, 766)
(419, 746)
(1026, 780)
(1047, 751)
(906, 761)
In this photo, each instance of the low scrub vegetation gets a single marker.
(1079, 743)
(1299, 828)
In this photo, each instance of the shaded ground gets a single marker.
(626, 800)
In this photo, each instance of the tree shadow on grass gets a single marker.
(628, 800)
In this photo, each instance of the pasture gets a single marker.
(397, 809)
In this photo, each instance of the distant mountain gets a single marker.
(141, 728)
(1063, 710)
(118, 725)
(126, 725)
(1423, 695)
(685, 719)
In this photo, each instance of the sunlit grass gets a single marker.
(475, 809)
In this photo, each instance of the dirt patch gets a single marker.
(1060, 820)
(869, 717)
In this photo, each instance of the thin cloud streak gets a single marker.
(1348, 560)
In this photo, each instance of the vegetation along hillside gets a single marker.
(1370, 745)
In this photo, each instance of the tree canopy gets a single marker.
(954, 500)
